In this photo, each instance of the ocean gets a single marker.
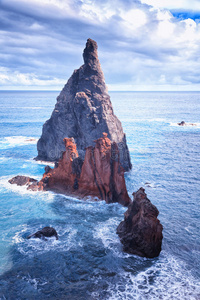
(87, 262)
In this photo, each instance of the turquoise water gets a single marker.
(87, 261)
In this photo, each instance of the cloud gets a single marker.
(140, 44)
(171, 4)
(7, 78)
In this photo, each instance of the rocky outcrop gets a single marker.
(83, 111)
(183, 123)
(22, 180)
(99, 175)
(141, 231)
(44, 233)
(31, 183)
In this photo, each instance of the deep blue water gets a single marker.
(87, 261)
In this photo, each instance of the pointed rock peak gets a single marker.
(90, 52)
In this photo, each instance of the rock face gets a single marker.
(83, 111)
(43, 233)
(141, 231)
(99, 175)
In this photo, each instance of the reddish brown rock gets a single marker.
(100, 175)
(141, 231)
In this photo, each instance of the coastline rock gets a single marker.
(141, 231)
(43, 233)
(99, 175)
(83, 111)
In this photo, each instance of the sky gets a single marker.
(143, 45)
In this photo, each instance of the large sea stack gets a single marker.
(141, 231)
(83, 111)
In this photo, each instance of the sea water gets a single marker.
(87, 262)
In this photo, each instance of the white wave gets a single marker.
(3, 159)
(106, 232)
(67, 240)
(152, 185)
(22, 190)
(167, 279)
(35, 282)
(12, 141)
(157, 120)
(41, 162)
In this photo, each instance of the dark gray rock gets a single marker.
(22, 180)
(30, 183)
(83, 111)
(43, 233)
(182, 123)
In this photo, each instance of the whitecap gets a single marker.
(152, 185)
(12, 141)
(106, 232)
(3, 159)
(167, 278)
(28, 247)
(41, 162)
(22, 190)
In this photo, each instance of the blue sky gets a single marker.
(143, 44)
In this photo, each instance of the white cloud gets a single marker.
(174, 4)
(138, 45)
(55, 9)
(7, 78)
(133, 19)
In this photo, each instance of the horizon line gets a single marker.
(111, 91)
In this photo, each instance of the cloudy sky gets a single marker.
(142, 44)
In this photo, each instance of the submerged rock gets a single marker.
(44, 232)
(141, 231)
(99, 175)
(83, 111)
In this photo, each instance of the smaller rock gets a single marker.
(31, 183)
(22, 180)
(43, 233)
(182, 123)
(141, 231)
